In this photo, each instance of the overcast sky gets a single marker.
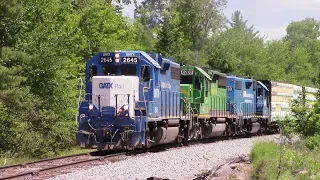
(270, 17)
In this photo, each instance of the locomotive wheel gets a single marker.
(191, 131)
(147, 142)
(198, 131)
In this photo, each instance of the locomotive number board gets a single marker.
(186, 72)
(106, 59)
(130, 60)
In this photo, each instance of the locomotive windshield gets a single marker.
(186, 80)
(109, 70)
(125, 70)
(128, 70)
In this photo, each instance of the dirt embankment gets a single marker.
(234, 169)
(237, 168)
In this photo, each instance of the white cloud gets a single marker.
(273, 33)
(270, 17)
(297, 5)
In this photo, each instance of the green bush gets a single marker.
(297, 162)
(312, 142)
(265, 156)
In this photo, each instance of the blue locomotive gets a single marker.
(133, 100)
(248, 102)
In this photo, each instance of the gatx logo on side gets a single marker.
(105, 85)
(110, 86)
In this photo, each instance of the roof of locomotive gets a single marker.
(264, 86)
(212, 72)
(198, 69)
(148, 58)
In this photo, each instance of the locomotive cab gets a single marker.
(263, 103)
(262, 99)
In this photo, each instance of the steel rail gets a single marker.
(37, 172)
(42, 160)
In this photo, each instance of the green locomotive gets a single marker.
(207, 95)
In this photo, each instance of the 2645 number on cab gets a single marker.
(130, 60)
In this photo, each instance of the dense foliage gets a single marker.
(304, 121)
(44, 46)
(297, 156)
(287, 162)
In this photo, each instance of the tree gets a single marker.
(305, 34)
(117, 4)
(237, 21)
(236, 51)
(151, 12)
(186, 28)
(104, 30)
(273, 64)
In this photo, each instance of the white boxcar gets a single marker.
(283, 94)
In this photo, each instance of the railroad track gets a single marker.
(46, 167)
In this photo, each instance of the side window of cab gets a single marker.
(92, 72)
(145, 73)
(198, 82)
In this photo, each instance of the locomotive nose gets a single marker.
(117, 93)
(110, 117)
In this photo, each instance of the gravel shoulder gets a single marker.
(179, 163)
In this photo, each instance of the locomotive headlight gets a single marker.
(90, 107)
(117, 56)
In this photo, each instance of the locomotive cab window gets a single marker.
(222, 82)
(248, 85)
(186, 80)
(259, 92)
(129, 70)
(198, 82)
(93, 71)
(145, 73)
(238, 85)
(207, 88)
(109, 70)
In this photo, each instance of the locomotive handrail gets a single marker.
(199, 97)
(79, 98)
(187, 106)
(239, 112)
(104, 97)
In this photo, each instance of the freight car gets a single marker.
(136, 99)
(282, 94)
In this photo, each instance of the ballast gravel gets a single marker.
(178, 163)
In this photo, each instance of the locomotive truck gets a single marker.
(135, 99)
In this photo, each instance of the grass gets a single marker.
(298, 162)
(265, 156)
(5, 160)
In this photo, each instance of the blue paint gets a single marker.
(263, 98)
(159, 94)
(105, 85)
(242, 95)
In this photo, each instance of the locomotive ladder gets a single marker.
(190, 115)
(190, 110)
(79, 98)
(239, 116)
